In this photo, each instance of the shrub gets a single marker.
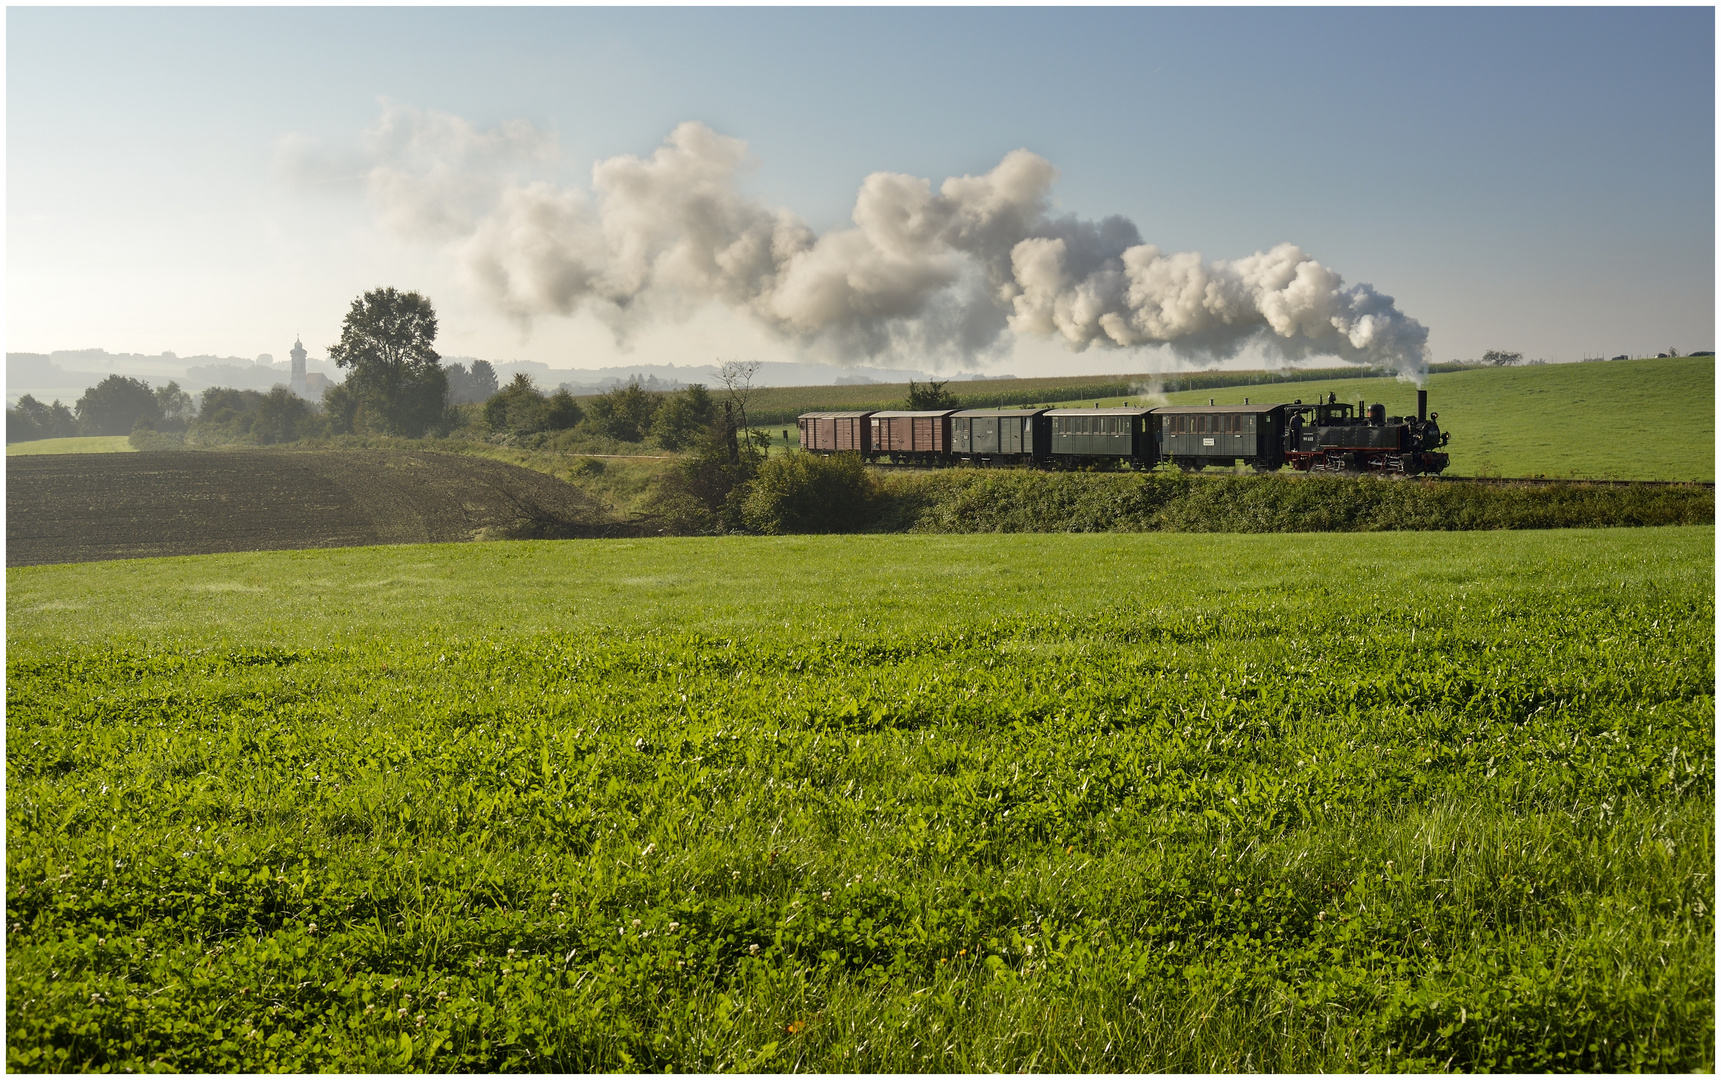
(682, 416)
(521, 408)
(810, 493)
(626, 412)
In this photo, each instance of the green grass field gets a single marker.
(884, 803)
(1619, 420)
(88, 444)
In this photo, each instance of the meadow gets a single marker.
(83, 444)
(1619, 420)
(1426, 801)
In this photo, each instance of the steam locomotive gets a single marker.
(1326, 436)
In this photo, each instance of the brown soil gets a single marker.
(89, 507)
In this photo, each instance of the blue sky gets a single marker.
(1532, 179)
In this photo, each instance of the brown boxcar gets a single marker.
(911, 436)
(834, 432)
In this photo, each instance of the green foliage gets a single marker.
(396, 376)
(116, 405)
(705, 489)
(522, 409)
(930, 396)
(177, 407)
(624, 412)
(30, 420)
(801, 493)
(471, 387)
(1019, 500)
(282, 416)
(229, 416)
(1116, 804)
(682, 416)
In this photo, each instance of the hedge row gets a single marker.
(1014, 500)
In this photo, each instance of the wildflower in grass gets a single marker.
(826, 895)
(636, 924)
(674, 926)
(752, 950)
(369, 1009)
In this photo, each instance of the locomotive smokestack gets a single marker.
(1422, 405)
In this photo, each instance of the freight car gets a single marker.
(1326, 436)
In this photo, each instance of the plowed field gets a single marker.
(89, 507)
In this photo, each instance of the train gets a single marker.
(1325, 436)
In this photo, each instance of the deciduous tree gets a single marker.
(397, 376)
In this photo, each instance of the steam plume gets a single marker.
(940, 274)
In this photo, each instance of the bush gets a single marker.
(625, 412)
(682, 416)
(708, 485)
(799, 493)
(522, 409)
(985, 500)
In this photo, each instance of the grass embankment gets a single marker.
(87, 444)
(869, 803)
(1616, 420)
(999, 500)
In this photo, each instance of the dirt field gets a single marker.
(89, 507)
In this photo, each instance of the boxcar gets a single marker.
(1196, 436)
(835, 432)
(918, 437)
(1000, 435)
(1090, 435)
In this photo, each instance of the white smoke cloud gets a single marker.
(939, 274)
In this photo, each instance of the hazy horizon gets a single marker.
(980, 190)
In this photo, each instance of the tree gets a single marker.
(625, 412)
(682, 416)
(386, 340)
(1501, 358)
(115, 405)
(930, 396)
(177, 406)
(483, 379)
(282, 416)
(522, 409)
(737, 379)
(466, 387)
(705, 489)
(30, 420)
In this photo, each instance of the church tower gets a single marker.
(299, 384)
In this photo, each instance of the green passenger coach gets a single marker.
(1196, 436)
(1081, 435)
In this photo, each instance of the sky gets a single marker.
(219, 180)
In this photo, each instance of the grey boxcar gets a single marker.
(1000, 434)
